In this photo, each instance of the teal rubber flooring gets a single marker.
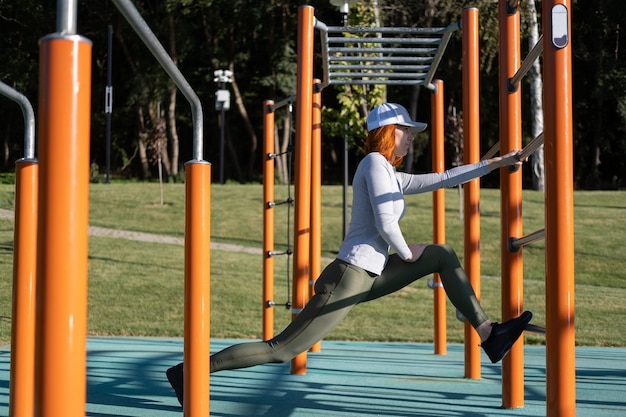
(126, 377)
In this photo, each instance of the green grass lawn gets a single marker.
(136, 288)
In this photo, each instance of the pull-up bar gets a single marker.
(142, 29)
(275, 106)
(366, 55)
(29, 118)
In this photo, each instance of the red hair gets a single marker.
(383, 141)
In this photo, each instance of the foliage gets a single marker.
(257, 39)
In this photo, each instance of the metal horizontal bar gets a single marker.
(380, 67)
(376, 82)
(415, 51)
(515, 244)
(273, 107)
(535, 329)
(408, 41)
(390, 59)
(396, 30)
(409, 75)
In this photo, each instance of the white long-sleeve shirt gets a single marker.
(378, 205)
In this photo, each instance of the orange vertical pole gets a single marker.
(439, 213)
(316, 195)
(61, 316)
(22, 373)
(558, 148)
(268, 220)
(304, 92)
(511, 201)
(197, 288)
(471, 194)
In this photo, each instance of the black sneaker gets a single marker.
(175, 376)
(504, 335)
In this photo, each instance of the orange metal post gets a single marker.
(197, 287)
(22, 377)
(268, 220)
(558, 148)
(61, 316)
(316, 196)
(471, 195)
(511, 202)
(302, 215)
(439, 213)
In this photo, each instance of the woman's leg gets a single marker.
(338, 289)
(436, 258)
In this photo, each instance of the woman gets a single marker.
(364, 270)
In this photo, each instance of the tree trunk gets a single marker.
(246, 120)
(171, 109)
(157, 137)
(141, 142)
(279, 148)
(5, 143)
(173, 132)
(536, 103)
(410, 156)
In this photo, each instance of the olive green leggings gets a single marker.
(339, 288)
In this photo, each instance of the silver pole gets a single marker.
(29, 118)
(66, 16)
(142, 29)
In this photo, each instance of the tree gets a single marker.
(536, 100)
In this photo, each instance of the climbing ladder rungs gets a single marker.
(387, 59)
(416, 68)
(413, 41)
(409, 75)
(372, 50)
(533, 328)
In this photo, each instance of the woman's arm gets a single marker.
(422, 183)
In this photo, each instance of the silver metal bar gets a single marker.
(532, 237)
(66, 16)
(273, 107)
(383, 30)
(492, 152)
(29, 118)
(390, 59)
(532, 146)
(416, 68)
(442, 48)
(142, 29)
(409, 75)
(406, 41)
(416, 51)
(527, 63)
(377, 82)
(323, 29)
